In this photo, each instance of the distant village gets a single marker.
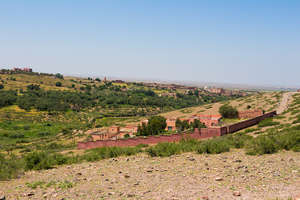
(16, 70)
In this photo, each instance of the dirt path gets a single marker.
(285, 102)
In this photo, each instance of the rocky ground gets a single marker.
(231, 175)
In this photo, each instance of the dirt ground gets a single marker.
(188, 176)
(266, 101)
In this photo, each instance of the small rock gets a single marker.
(192, 159)
(237, 193)
(30, 194)
(149, 170)
(205, 198)
(238, 161)
(79, 174)
(218, 179)
(2, 195)
(130, 195)
(297, 197)
(111, 193)
(126, 176)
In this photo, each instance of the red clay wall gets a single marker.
(203, 133)
(251, 122)
(247, 114)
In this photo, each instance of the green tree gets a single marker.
(60, 76)
(197, 124)
(155, 126)
(33, 87)
(228, 111)
(58, 84)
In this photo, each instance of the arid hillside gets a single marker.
(261, 162)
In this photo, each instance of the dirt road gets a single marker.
(285, 101)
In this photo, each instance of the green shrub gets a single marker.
(36, 184)
(164, 149)
(44, 160)
(214, 146)
(10, 167)
(267, 122)
(262, 145)
(167, 149)
(289, 140)
(38, 161)
(109, 152)
(16, 135)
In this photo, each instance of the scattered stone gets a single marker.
(79, 174)
(30, 194)
(126, 176)
(149, 171)
(238, 161)
(297, 197)
(111, 193)
(205, 198)
(2, 195)
(218, 179)
(192, 159)
(237, 193)
(130, 195)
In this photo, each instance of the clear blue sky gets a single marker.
(232, 41)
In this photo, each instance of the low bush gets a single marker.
(267, 122)
(167, 149)
(44, 160)
(10, 167)
(262, 145)
(288, 139)
(109, 152)
(164, 149)
(214, 146)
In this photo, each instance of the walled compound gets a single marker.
(197, 134)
